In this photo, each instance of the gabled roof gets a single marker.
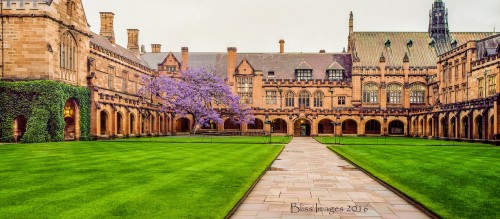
(303, 66)
(245, 61)
(335, 66)
(115, 48)
(283, 65)
(173, 56)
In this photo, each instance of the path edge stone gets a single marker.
(407, 198)
(247, 193)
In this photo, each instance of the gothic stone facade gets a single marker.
(426, 84)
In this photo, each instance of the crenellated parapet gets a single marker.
(303, 83)
(25, 4)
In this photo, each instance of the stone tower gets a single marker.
(438, 22)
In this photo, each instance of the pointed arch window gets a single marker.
(417, 93)
(304, 98)
(394, 93)
(370, 93)
(318, 99)
(68, 57)
(289, 99)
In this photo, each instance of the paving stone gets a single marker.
(314, 176)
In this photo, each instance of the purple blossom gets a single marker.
(200, 93)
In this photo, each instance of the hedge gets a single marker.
(42, 103)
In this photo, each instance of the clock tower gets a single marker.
(438, 22)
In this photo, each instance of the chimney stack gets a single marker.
(185, 58)
(107, 29)
(155, 48)
(282, 46)
(133, 41)
(231, 63)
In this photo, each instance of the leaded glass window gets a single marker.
(394, 93)
(370, 93)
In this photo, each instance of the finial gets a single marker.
(406, 58)
(382, 58)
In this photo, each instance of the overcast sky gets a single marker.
(257, 25)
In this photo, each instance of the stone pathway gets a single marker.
(309, 181)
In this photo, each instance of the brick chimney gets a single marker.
(185, 58)
(133, 41)
(231, 63)
(282, 46)
(155, 48)
(107, 29)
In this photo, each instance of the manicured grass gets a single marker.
(128, 179)
(214, 139)
(384, 140)
(454, 182)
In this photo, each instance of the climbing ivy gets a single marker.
(42, 104)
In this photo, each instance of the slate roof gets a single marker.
(370, 45)
(115, 48)
(488, 46)
(283, 65)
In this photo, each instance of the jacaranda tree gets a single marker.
(199, 93)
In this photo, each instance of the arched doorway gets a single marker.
(132, 124)
(119, 123)
(70, 119)
(182, 125)
(444, 127)
(479, 127)
(302, 128)
(325, 127)
(19, 127)
(104, 122)
(162, 126)
(453, 127)
(372, 127)
(144, 122)
(431, 128)
(279, 126)
(466, 128)
(421, 127)
(349, 127)
(492, 128)
(397, 127)
(257, 125)
(229, 124)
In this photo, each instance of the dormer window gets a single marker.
(335, 75)
(270, 73)
(303, 74)
(410, 43)
(454, 44)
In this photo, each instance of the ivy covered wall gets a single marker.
(42, 104)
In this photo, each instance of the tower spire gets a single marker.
(438, 22)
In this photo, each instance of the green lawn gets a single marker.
(383, 140)
(454, 182)
(128, 179)
(214, 139)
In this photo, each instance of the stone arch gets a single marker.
(373, 127)
(396, 127)
(161, 129)
(153, 124)
(182, 125)
(229, 124)
(302, 127)
(325, 127)
(492, 128)
(478, 127)
(132, 124)
(421, 127)
(258, 125)
(444, 127)
(71, 114)
(453, 127)
(279, 126)
(465, 127)
(19, 127)
(349, 127)
(431, 127)
(119, 123)
(104, 119)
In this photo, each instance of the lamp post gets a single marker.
(268, 122)
(331, 95)
(335, 124)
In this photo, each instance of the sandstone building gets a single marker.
(435, 83)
